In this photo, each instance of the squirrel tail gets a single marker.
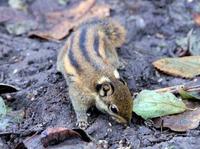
(114, 31)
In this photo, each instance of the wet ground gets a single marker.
(153, 27)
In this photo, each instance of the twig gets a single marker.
(172, 89)
(189, 87)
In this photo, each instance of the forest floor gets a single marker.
(152, 30)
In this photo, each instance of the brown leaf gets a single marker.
(51, 136)
(186, 67)
(196, 18)
(55, 135)
(58, 24)
(181, 122)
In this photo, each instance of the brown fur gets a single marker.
(88, 56)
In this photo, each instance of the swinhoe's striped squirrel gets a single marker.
(89, 63)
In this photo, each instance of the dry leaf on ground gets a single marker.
(64, 137)
(58, 24)
(55, 135)
(186, 67)
(181, 122)
(196, 18)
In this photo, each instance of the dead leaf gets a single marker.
(186, 67)
(6, 88)
(53, 136)
(58, 24)
(64, 137)
(181, 122)
(196, 18)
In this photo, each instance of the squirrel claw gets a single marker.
(82, 124)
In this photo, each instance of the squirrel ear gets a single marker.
(105, 89)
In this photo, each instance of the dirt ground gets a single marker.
(153, 27)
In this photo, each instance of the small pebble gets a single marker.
(160, 80)
(15, 71)
(109, 130)
(103, 144)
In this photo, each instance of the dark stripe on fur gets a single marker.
(72, 58)
(85, 51)
(96, 44)
(82, 44)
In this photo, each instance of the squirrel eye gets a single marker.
(122, 80)
(114, 109)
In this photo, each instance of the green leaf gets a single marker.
(2, 108)
(189, 94)
(150, 104)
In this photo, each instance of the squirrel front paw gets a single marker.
(82, 124)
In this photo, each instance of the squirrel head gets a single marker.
(113, 97)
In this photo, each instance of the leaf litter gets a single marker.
(65, 137)
(58, 24)
(160, 104)
(181, 122)
(190, 118)
(186, 67)
(51, 25)
(48, 38)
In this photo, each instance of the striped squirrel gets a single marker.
(89, 63)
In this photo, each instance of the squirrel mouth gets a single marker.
(119, 119)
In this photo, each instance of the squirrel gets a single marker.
(89, 62)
